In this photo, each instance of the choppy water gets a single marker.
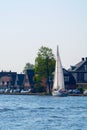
(23, 112)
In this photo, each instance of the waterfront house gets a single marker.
(79, 71)
(28, 79)
(7, 79)
(12, 80)
(69, 80)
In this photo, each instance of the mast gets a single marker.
(58, 76)
(55, 84)
(57, 64)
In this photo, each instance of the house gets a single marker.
(79, 71)
(69, 80)
(12, 80)
(28, 79)
(7, 79)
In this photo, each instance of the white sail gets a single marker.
(58, 76)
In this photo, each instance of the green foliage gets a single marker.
(39, 89)
(81, 89)
(28, 66)
(44, 62)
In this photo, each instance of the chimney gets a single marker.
(82, 59)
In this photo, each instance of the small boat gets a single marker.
(58, 85)
(26, 91)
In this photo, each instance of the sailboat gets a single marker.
(58, 85)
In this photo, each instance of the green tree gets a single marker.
(44, 64)
(28, 66)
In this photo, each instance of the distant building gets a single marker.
(69, 80)
(28, 79)
(12, 80)
(7, 79)
(79, 71)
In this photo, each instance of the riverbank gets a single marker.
(40, 94)
(25, 93)
(77, 94)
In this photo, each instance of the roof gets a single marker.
(3, 73)
(9, 74)
(65, 72)
(20, 79)
(78, 65)
(30, 74)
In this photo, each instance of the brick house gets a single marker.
(7, 79)
(12, 80)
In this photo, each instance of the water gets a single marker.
(23, 112)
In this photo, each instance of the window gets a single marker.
(85, 67)
(85, 77)
(5, 83)
(0, 83)
(80, 77)
(75, 76)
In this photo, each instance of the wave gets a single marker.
(45, 108)
(6, 109)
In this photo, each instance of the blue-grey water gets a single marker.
(23, 112)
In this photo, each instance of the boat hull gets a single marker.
(59, 94)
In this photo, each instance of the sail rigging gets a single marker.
(58, 77)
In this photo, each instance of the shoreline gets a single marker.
(39, 94)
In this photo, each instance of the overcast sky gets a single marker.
(26, 25)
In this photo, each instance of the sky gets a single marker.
(26, 25)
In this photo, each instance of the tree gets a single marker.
(28, 66)
(44, 64)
